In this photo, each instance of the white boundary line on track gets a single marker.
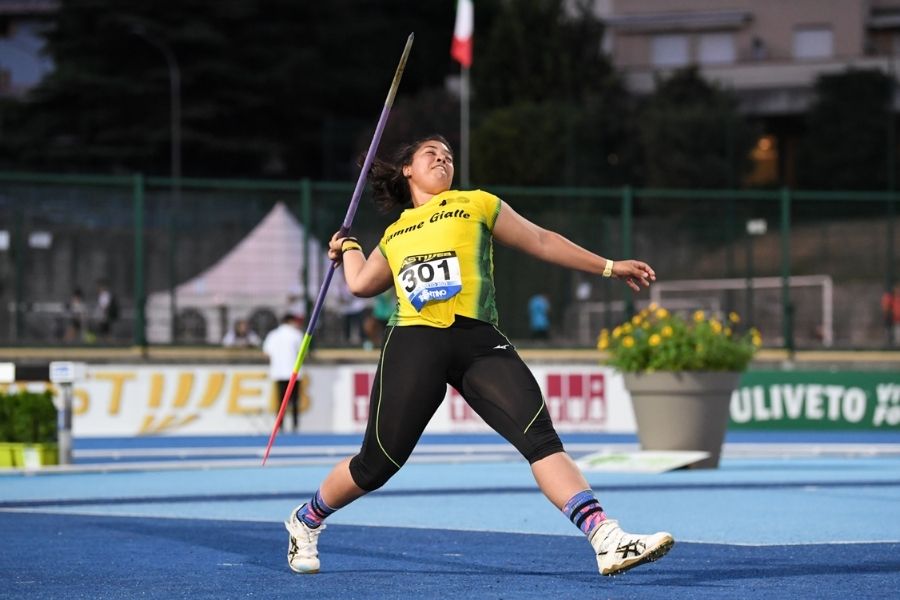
(193, 458)
(731, 449)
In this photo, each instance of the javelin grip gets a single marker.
(345, 229)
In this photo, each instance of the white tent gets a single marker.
(263, 271)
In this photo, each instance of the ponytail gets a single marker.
(389, 186)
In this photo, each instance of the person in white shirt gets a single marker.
(281, 346)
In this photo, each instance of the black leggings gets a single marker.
(417, 363)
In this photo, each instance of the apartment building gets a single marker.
(768, 52)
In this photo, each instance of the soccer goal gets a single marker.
(811, 296)
(757, 300)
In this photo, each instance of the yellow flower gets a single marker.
(657, 339)
(734, 317)
(653, 306)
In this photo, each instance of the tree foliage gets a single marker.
(846, 141)
(692, 135)
(551, 108)
(266, 85)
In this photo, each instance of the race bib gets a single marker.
(428, 278)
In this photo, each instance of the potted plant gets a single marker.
(681, 373)
(27, 429)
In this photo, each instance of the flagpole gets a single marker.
(464, 127)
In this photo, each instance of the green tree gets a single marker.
(846, 139)
(269, 87)
(550, 107)
(692, 135)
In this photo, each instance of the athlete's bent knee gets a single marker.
(369, 474)
(543, 451)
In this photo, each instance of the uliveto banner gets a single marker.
(817, 400)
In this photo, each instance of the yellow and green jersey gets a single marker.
(442, 259)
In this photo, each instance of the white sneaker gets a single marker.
(303, 556)
(618, 551)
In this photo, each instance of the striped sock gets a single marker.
(584, 511)
(314, 512)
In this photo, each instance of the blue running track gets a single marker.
(796, 523)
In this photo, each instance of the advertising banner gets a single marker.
(137, 400)
(817, 400)
(131, 400)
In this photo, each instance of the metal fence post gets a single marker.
(137, 199)
(786, 306)
(306, 218)
(627, 250)
(18, 246)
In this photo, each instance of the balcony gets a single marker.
(765, 87)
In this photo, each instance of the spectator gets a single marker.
(890, 308)
(353, 311)
(75, 317)
(539, 317)
(282, 345)
(296, 300)
(377, 320)
(241, 336)
(106, 311)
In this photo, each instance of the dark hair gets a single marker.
(389, 186)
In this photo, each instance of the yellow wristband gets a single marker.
(607, 271)
(350, 244)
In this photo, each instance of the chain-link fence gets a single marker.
(185, 262)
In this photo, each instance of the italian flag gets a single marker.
(461, 49)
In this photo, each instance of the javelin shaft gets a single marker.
(361, 180)
(345, 229)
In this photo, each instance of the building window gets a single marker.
(895, 44)
(765, 162)
(813, 42)
(670, 50)
(716, 49)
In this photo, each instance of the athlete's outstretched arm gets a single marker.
(365, 277)
(514, 230)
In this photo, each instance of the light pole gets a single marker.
(175, 155)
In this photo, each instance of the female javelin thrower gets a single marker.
(438, 256)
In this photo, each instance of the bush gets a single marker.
(657, 340)
(27, 418)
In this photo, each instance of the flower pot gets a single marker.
(29, 456)
(683, 411)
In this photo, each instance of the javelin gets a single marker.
(345, 229)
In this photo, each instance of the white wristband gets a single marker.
(607, 271)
